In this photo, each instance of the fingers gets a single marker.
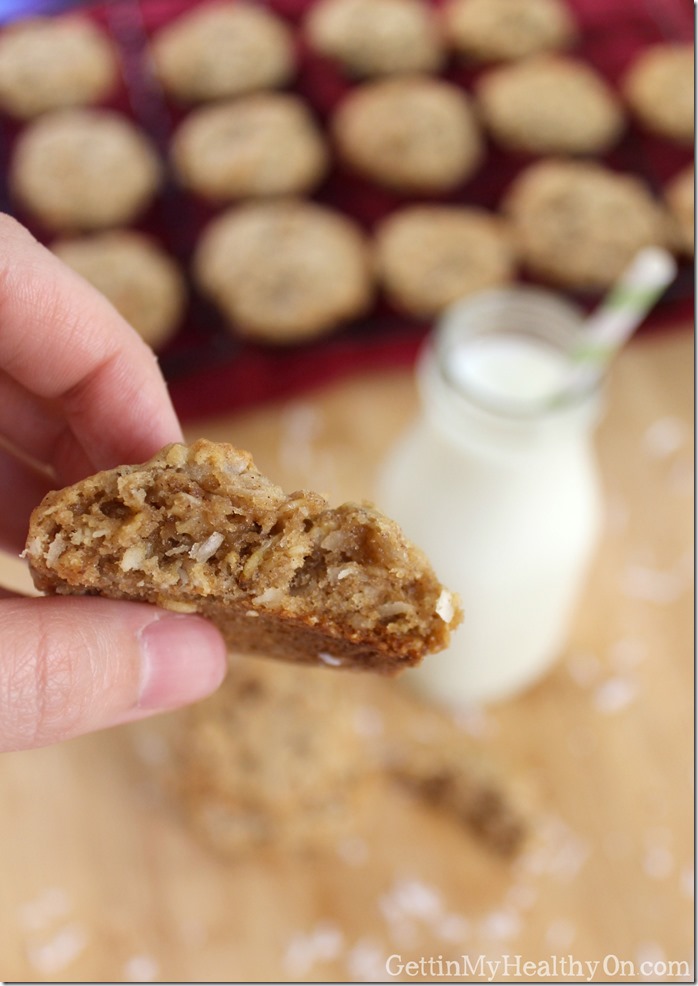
(73, 665)
(63, 342)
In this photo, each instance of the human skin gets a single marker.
(79, 392)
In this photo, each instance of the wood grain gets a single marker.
(101, 881)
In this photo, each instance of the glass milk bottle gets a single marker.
(497, 481)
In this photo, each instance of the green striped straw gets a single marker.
(620, 313)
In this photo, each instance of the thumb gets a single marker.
(70, 665)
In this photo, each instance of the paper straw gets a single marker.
(620, 313)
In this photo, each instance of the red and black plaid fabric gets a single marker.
(209, 370)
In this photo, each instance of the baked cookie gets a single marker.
(200, 530)
(83, 169)
(272, 758)
(255, 146)
(376, 37)
(412, 133)
(679, 195)
(504, 30)
(659, 89)
(141, 281)
(549, 105)
(223, 49)
(285, 271)
(579, 225)
(47, 63)
(430, 256)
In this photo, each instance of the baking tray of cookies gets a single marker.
(213, 366)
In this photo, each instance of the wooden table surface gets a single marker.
(99, 880)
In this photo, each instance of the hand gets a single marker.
(79, 392)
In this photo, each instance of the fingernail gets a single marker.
(183, 659)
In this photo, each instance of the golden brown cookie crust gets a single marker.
(505, 30)
(659, 89)
(48, 63)
(85, 169)
(580, 224)
(410, 133)
(255, 146)
(377, 37)
(218, 50)
(430, 256)
(549, 105)
(285, 271)
(141, 281)
(199, 529)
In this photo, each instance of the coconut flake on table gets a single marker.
(615, 694)
(58, 951)
(323, 943)
(664, 437)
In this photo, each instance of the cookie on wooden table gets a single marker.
(223, 49)
(679, 196)
(200, 530)
(254, 146)
(549, 105)
(578, 224)
(504, 30)
(83, 169)
(141, 281)
(377, 37)
(659, 88)
(410, 133)
(430, 256)
(285, 271)
(272, 758)
(47, 63)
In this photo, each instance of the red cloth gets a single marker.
(209, 370)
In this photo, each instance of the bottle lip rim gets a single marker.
(452, 326)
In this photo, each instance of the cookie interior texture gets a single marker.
(200, 529)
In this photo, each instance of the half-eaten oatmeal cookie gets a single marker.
(200, 529)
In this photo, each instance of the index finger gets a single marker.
(63, 342)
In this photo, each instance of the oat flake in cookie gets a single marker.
(199, 529)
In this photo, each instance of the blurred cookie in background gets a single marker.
(272, 758)
(81, 169)
(549, 105)
(223, 49)
(259, 145)
(411, 133)
(377, 37)
(504, 30)
(578, 224)
(430, 256)
(48, 63)
(680, 198)
(659, 88)
(141, 281)
(284, 272)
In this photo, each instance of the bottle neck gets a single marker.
(498, 376)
